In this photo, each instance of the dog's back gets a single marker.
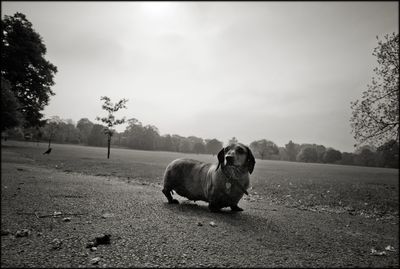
(188, 178)
(200, 181)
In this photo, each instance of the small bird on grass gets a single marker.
(47, 151)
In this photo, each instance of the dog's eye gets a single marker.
(240, 151)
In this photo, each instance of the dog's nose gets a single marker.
(229, 159)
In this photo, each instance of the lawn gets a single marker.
(368, 191)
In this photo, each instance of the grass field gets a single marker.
(372, 192)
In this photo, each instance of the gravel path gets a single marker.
(147, 232)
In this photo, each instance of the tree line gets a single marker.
(386, 155)
(147, 137)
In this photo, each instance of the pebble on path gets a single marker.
(95, 260)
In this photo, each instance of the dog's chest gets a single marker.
(234, 182)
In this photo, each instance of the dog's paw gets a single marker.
(214, 209)
(236, 208)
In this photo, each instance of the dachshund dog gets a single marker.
(221, 185)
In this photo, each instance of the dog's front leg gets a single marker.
(167, 194)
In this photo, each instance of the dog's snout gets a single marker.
(229, 159)
(230, 153)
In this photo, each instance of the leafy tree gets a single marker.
(176, 141)
(320, 152)
(60, 135)
(347, 158)
(375, 119)
(166, 143)
(118, 139)
(84, 126)
(283, 154)
(292, 149)
(23, 65)
(16, 133)
(199, 148)
(184, 145)
(388, 154)
(110, 120)
(361, 148)
(134, 132)
(10, 115)
(213, 146)
(319, 149)
(96, 136)
(331, 156)
(142, 137)
(150, 138)
(307, 154)
(193, 140)
(71, 132)
(365, 158)
(264, 148)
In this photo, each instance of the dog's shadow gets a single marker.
(243, 219)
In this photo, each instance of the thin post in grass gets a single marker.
(110, 120)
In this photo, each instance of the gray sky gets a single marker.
(276, 70)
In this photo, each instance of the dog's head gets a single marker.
(238, 155)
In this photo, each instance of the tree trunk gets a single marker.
(109, 143)
(49, 142)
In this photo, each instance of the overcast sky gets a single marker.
(276, 70)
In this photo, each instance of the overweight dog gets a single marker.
(221, 185)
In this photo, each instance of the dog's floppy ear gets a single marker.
(221, 158)
(250, 160)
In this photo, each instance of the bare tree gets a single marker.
(375, 118)
(51, 127)
(110, 120)
(233, 140)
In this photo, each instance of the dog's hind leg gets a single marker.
(167, 194)
(169, 184)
